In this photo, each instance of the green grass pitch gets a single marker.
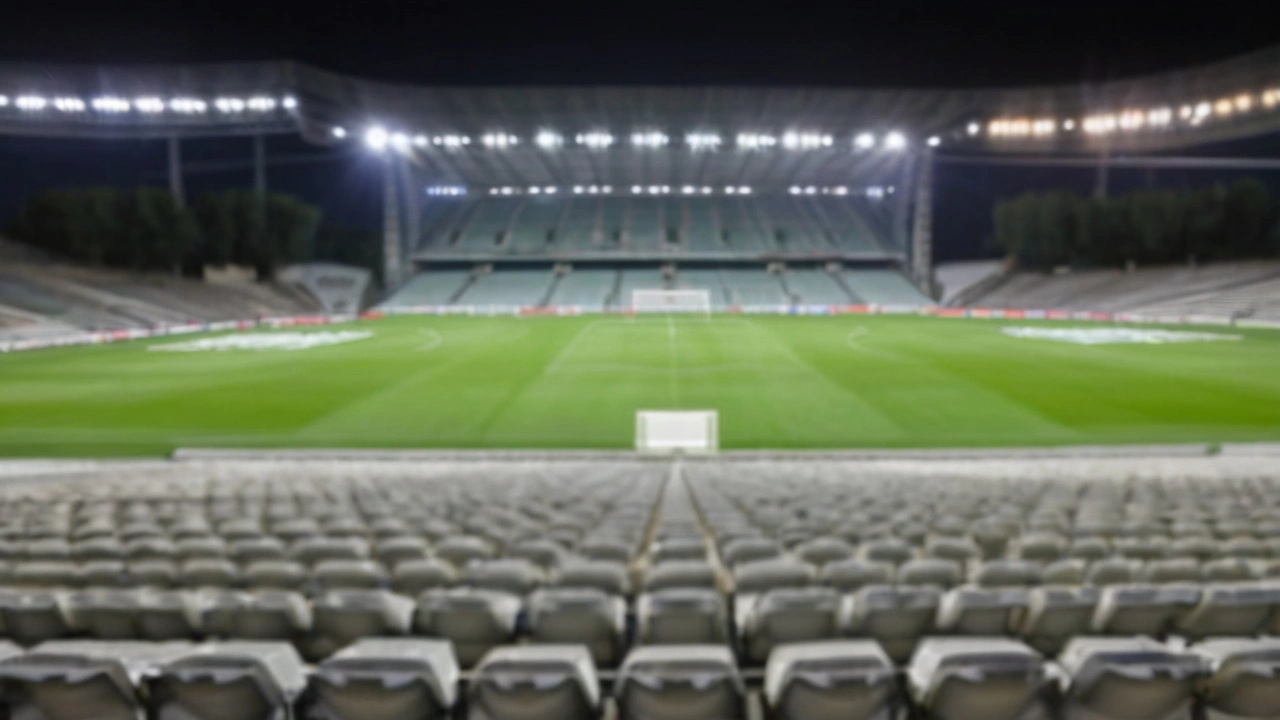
(778, 382)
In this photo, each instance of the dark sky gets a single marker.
(886, 43)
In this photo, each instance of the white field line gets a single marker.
(567, 351)
(852, 339)
(433, 340)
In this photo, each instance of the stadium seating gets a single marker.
(802, 588)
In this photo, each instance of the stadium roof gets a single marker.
(491, 135)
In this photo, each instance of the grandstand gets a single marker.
(798, 588)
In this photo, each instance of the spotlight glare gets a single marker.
(31, 103)
(289, 102)
(376, 138)
(864, 141)
(149, 105)
(339, 132)
(895, 141)
(934, 141)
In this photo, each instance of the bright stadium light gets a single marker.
(864, 141)
(507, 190)
(730, 190)
(1159, 117)
(261, 103)
(548, 140)
(744, 190)
(1068, 124)
(376, 138)
(654, 189)
(793, 140)
(895, 141)
(401, 143)
(69, 104)
(706, 189)
(31, 103)
(841, 190)
(703, 140)
(606, 189)
(577, 189)
(973, 129)
(188, 106)
(498, 141)
(595, 140)
(652, 139)
(794, 190)
(755, 141)
(338, 132)
(933, 141)
(636, 189)
(4, 101)
(535, 190)
(594, 189)
(493, 191)
(289, 102)
(149, 105)
(1203, 109)
(420, 141)
(229, 105)
(811, 190)
(688, 190)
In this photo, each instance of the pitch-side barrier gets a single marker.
(112, 336)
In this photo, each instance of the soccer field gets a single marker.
(546, 382)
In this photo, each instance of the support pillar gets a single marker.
(922, 224)
(176, 186)
(1102, 180)
(260, 165)
(391, 235)
(412, 217)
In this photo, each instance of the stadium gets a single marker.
(652, 404)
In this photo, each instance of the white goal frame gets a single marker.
(695, 302)
(677, 431)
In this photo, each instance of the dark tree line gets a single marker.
(145, 229)
(1047, 230)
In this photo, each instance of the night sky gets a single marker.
(884, 44)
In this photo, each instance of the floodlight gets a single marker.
(652, 139)
(534, 190)
(31, 103)
(636, 189)
(289, 102)
(338, 132)
(706, 190)
(744, 190)
(864, 141)
(895, 141)
(1203, 109)
(933, 141)
(577, 189)
(974, 128)
(596, 139)
(730, 190)
(1068, 124)
(811, 190)
(841, 190)
(420, 141)
(68, 104)
(507, 191)
(376, 138)
(687, 190)
(794, 190)
(1223, 107)
(593, 189)
(606, 189)
(4, 101)
(229, 105)
(654, 189)
(261, 103)
(493, 191)
(548, 140)
(703, 140)
(1244, 102)
(187, 105)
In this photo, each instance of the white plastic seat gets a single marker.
(834, 680)
(896, 617)
(853, 575)
(340, 617)
(1128, 679)
(680, 574)
(518, 577)
(585, 616)
(1243, 679)
(1141, 609)
(1229, 610)
(76, 679)
(474, 620)
(1057, 614)
(384, 679)
(535, 682)
(970, 610)
(682, 616)
(603, 575)
(237, 680)
(683, 682)
(789, 615)
(977, 679)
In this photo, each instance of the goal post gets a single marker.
(677, 431)
(690, 302)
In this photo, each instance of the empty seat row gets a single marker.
(390, 679)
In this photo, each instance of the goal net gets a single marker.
(671, 301)
(677, 431)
